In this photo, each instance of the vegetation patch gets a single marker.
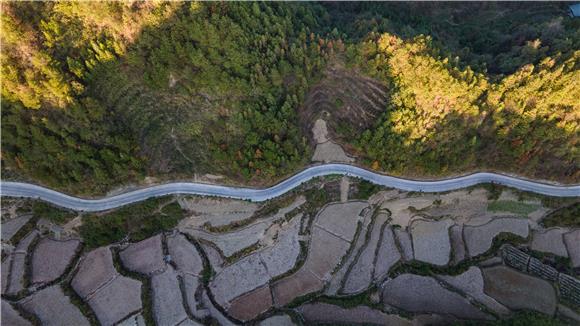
(52, 213)
(136, 222)
(568, 216)
(515, 207)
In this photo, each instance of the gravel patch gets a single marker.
(11, 227)
(328, 313)
(330, 152)
(95, 269)
(479, 239)
(167, 300)
(421, 294)
(344, 187)
(320, 131)
(572, 241)
(252, 304)
(11, 317)
(471, 284)
(53, 308)
(184, 254)
(550, 241)
(145, 256)
(295, 285)
(341, 218)
(116, 300)
(519, 291)
(405, 243)
(431, 242)
(51, 258)
(278, 320)
(387, 255)
(457, 244)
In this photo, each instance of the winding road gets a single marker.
(17, 189)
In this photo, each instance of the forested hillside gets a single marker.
(97, 94)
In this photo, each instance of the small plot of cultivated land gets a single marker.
(471, 283)
(330, 314)
(136, 320)
(15, 269)
(519, 291)
(116, 300)
(340, 219)
(331, 236)
(191, 287)
(375, 259)
(479, 239)
(51, 258)
(550, 241)
(168, 306)
(53, 308)
(404, 239)
(95, 269)
(184, 254)
(572, 241)
(251, 304)
(278, 320)
(421, 294)
(404, 209)
(258, 268)
(431, 242)
(144, 257)
(238, 279)
(11, 317)
(298, 284)
(387, 255)
(12, 226)
(111, 296)
(233, 242)
(509, 206)
(325, 253)
(457, 243)
(215, 211)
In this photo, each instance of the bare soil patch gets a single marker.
(51, 258)
(252, 304)
(145, 256)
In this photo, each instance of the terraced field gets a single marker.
(397, 258)
(346, 100)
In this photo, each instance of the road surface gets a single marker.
(17, 189)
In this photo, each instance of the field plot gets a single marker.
(397, 258)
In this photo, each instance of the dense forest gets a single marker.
(95, 94)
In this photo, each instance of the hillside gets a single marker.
(99, 94)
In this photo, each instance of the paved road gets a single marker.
(16, 189)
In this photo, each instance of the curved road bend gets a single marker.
(17, 189)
